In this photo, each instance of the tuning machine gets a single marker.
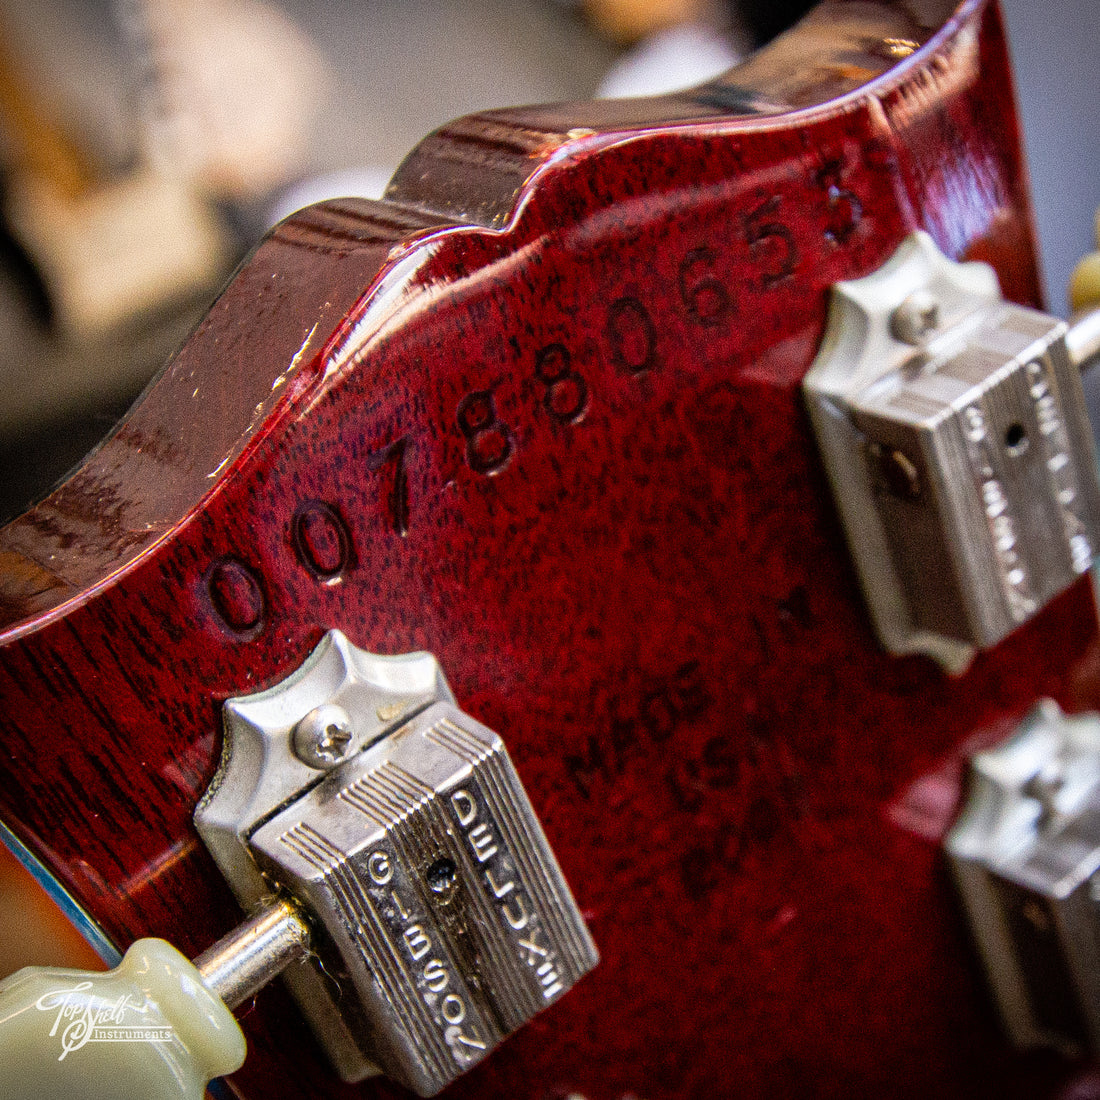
(953, 429)
(1025, 852)
(442, 920)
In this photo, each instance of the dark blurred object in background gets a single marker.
(764, 20)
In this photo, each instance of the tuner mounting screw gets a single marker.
(324, 737)
(916, 317)
(1044, 786)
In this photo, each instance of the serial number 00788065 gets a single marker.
(321, 536)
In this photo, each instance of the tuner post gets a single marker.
(1083, 338)
(256, 952)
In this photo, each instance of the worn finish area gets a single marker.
(539, 414)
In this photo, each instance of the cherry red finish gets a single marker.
(563, 447)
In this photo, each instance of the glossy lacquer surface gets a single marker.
(540, 414)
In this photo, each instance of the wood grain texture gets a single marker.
(558, 440)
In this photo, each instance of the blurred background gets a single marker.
(146, 145)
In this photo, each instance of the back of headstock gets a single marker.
(539, 413)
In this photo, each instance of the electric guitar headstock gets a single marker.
(540, 413)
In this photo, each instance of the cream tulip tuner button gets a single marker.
(150, 1028)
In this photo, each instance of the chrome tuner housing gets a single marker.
(1025, 852)
(443, 921)
(953, 429)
